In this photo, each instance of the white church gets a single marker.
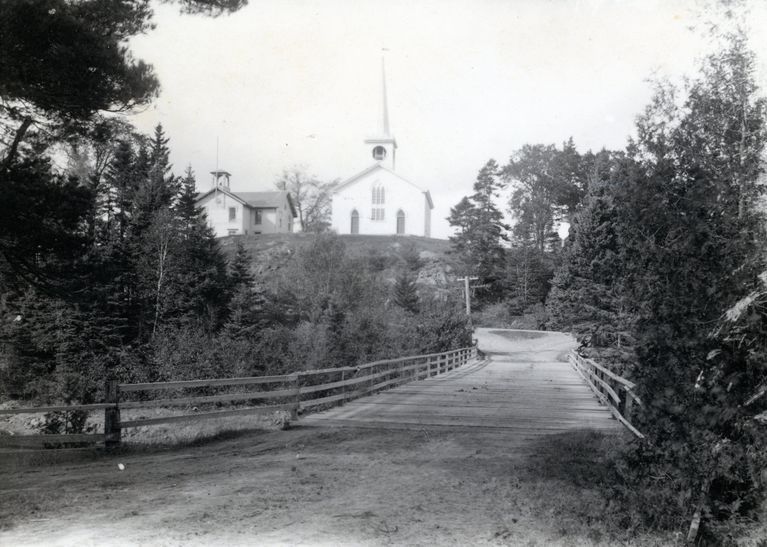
(378, 201)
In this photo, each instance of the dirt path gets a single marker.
(444, 480)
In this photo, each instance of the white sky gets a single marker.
(289, 82)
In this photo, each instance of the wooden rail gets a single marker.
(614, 391)
(290, 392)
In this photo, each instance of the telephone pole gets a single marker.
(466, 291)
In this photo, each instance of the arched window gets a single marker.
(355, 222)
(400, 222)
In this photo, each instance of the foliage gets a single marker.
(311, 197)
(80, 67)
(411, 257)
(65, 61)
(546, 183)
(404, 293)
(41, 223)
(587, 296)
(657, 256)
(481, 230)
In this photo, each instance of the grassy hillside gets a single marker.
(438, 268)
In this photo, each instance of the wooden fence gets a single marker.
(612, 390)
(300, 391)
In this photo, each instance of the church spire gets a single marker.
(384, 146)
(385, 121)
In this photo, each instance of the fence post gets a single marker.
(296, 398)
(112, 431)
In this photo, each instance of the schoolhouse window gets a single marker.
(355, 229)
(232, 214)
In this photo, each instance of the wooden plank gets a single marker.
(38, 440)
(607, 386)
(385, 362)
(229, 397)
(381, 385)
(594, 389)
(594, 364)
(43, 409)
(613, 410)
(354, 381)
(183, 384)
(333, 385)
(205, 415)
(323, 400)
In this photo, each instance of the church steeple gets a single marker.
(384, 102)
(384, 145)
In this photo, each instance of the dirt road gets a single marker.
(481, 456)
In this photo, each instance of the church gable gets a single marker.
(379, 202)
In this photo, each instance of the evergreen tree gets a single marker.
(482, 230)
(658, 254)
(404, 292)
(248, 306)
(239, 270)
(200, 287)
(695, 232)
(587, 294)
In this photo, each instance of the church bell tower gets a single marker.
(383, 146)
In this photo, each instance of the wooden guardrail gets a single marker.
(294, 393)
(612, 390)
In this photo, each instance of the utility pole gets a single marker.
(466, 291)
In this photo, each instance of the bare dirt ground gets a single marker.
(317, 484)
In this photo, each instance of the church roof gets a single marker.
(375, 166)
(258, 200)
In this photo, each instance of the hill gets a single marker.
(437, 267)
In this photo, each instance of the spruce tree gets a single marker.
(404, 293)
(201, 289)
(482, 231)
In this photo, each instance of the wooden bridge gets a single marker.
(423, 450)
(525, 386)
(529, 382)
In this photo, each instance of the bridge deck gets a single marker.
(524, 386)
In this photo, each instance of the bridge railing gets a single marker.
(203, 399)
(612, 390)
